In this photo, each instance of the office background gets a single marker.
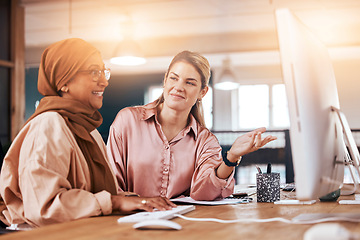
(242, 31)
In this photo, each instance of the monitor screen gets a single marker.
(315, 134)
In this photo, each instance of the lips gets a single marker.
(176, 96)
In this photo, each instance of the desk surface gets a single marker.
(106, 227)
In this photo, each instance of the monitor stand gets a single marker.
(352, 156)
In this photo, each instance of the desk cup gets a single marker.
(268, 187)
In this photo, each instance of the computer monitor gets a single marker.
(316, 135)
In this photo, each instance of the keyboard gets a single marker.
(168, 214)
(244, 192)
(289, 187)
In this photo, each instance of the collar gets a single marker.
(149, 111)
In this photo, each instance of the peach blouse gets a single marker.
(145, 162)
(45, 178)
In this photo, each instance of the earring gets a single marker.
(64, 89)
(199, 100)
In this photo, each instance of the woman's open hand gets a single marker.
(250, 142)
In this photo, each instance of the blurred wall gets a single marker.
(129, 90)
(347, 74)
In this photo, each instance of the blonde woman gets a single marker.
(164, 149)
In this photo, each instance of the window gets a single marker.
(280, 116)
(208, 105)
(262, 105)
(153, 93)
(253, 103)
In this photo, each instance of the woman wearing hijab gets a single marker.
(164, 149)
(56, 170)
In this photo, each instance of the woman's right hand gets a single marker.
(128, 204)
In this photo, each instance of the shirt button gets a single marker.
(166, 170)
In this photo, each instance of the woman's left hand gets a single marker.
(128, 204)
(250, 142)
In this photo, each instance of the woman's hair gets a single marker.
(202, 66)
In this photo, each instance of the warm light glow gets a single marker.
(128, 53)
(227, 78)
(128, 60)
(226, 85)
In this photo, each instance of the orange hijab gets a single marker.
(59, 63)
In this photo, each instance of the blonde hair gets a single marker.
(202, 66)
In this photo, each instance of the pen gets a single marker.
(268, 168)
(257, 167)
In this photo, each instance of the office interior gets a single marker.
(239, 33)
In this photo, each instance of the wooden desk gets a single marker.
(106, 227)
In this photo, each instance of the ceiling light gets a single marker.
(227, 78)
(128, 53)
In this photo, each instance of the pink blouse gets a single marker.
(145, 162)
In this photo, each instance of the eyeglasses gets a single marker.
(96, 74)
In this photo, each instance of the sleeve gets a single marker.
(205, 183)
(44, 167)
(116, 154)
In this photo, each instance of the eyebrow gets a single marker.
(95, 65)
(191, 79)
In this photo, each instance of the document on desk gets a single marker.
(214, 202)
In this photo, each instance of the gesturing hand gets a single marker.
(250, 142)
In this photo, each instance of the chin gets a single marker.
(179, 106)
(96, 106)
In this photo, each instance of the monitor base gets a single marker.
(331, 197)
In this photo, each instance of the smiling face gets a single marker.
(83, 88)
(182, 87)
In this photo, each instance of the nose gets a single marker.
(102, 81)
(179, 86)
